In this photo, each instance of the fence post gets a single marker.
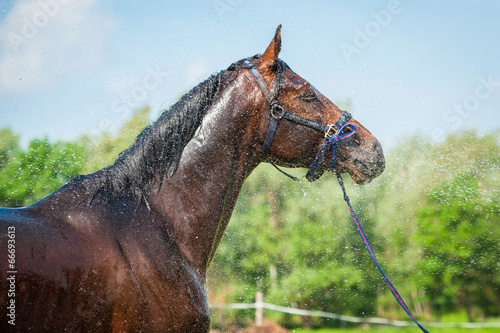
(259, 308)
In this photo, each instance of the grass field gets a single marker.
(457, 317)
(403, 330)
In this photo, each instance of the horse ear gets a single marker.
(271, 53)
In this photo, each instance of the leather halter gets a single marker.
(278, 113)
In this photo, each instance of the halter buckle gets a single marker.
(330, 129)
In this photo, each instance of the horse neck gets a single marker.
(199, 198)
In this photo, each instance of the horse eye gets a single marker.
(310, 98)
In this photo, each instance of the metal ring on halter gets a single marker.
(302, 184)
(281, 111)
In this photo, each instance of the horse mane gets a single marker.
(157, 150)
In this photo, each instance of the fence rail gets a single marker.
(371, 320)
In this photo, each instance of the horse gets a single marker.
(127, 248)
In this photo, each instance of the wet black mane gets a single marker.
(156, 153)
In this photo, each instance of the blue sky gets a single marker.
(70, 67)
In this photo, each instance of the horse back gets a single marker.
(44, 265)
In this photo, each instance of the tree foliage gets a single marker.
(103, 150)
(31, 174)
(459, 228)
(432, 218)
(27, 175)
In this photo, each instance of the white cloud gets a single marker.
(44, 40)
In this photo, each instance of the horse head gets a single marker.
(296, 143)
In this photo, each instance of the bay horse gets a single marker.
(127, 248)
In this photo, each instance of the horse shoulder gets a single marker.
(167, 292)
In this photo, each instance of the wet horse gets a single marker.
(126, 249)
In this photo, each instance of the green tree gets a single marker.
(297, 246)
(9, 142)
(28, 176)
(459, 231)
(103, 150)
(301, 248)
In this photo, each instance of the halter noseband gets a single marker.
(278, 113)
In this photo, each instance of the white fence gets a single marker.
(259, 306)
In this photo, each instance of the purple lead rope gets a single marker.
(372, 254)
(332, 142)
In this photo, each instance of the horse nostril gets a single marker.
(377, 147)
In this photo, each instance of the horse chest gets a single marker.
(159, 291)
